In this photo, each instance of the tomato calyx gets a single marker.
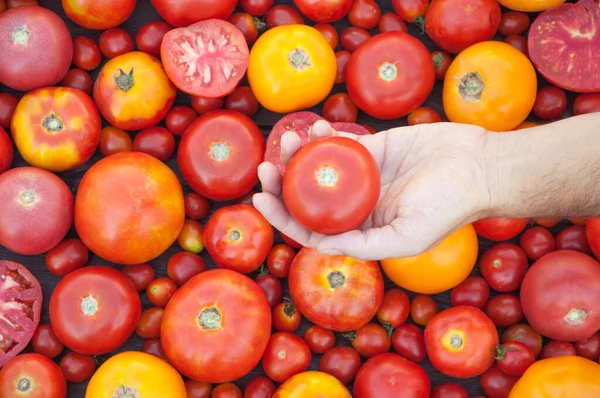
(260, 24)
(336, 279)
(288, 308)
(420, 22)
(124, 81)
(438, 59)
(388, 72)
(21, 35)
(388, 328)
(52, 123)
(210, 319)
(24, 385)
(124, 391)
(263, 271)
(219, 151)
(500, 351)
(350, 336)
(576, 316)
(299, 59)
(471, 87)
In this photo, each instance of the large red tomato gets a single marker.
(36, 210)
(454, 25)
(6, 151)
(21, 300)
(324, 10)
(335, 292)
(216, 327)
(323, 174)
(32, 376)
(94, 310)
(36, 48)
(219, 154)
(207, 59)
(593, 235)
(499, 229)
(390, 75)
(389, 376)
(98, 14)
(56, 128)
(186, 12)
(459, 341)
(129, 208)
(560, 295)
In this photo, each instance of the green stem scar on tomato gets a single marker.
(124, 80)
(471, 87)
(210, 319)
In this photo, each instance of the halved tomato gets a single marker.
(352, 128)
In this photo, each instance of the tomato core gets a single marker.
(52, 123)
(336, 279)
(235, 235)
(456, 341)
(388, 72)
(576, 316)
(299, 59)
(124, 80)
(21, 35)
(327, 177)
(471, 87)
(219, 151)
(497, 263)
(210, 319)
(281, 354)
(125, 392)
(23, 385)
(27, 197)
(89, 305)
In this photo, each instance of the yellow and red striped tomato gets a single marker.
(56, 128)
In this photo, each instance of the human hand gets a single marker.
(433, 181)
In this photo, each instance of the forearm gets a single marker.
(546, 171)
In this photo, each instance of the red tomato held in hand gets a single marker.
(259, 387)
(286, 355)
(238, 237)
(411, 10)
(513, 23)
(391, 22)
(497, 384)
(219, 154)
(205, 73)
(342, 363)
(499, 229)
(155, 141)
(536, 242)
(272, 288)
(459, 341)
(30, 35)
(86, 53)
(319, 339)
(390, 75)
(573, 238)
(283, 14)
(285, 317)
(584, 104)
(394, 309)
(8, 104)
(18, 286)
(115, 42)
(441, 62)
(280, 260)
(504, 266)
(6, 151)
(513, 358)
(183, 266)
(45, 342)
(186, 12)
(589, 348)
(324, 11)
(504, 309)
(569, 310)
(242, 100)
(203, 332)
(335, 292)
(454, 25)
(77, 368)
(473, 291)
(526, 335)
(79, 79)
(329, 33)
(114, 140)
(550, 103)
(67, 256)
(321, 175)
(150, 37)
(389, 375)
(353, 37)
(364, 14)
(370, 340)
(94, 310)
(555, 348)
(99, 15)
(408, 341)
(340, 108)
(140, 275)
(449, 390)
(160, 291)
(36, 211)
(32, 375)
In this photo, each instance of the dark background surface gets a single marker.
(144, 13)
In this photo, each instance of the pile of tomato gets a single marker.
(128, 165)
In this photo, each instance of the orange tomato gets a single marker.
(56, 128)
(547, 222)
(291, 67)
(579, 221)
(438, 269)
(312, 384)
(133, 91)
(526, 125)
(530, 5)
(136, 374)
(569, 376)
(479, 87)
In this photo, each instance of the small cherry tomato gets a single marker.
(259, 387)
(473, 291)
(226, 390)
(280, 260)
(75, 78)
(202, 105)
(115, 42)
(183, 266)
(272, 288)
(589, 348)
(545, 222)
(197, 389)
(584, 103)
(155, 141)
(196, 207)
(394, 309)
(286, 355)
(422, 309)
(246, 199)
(408, 341)
(340, 108)
(77, 368)
(550, 103)
(148, 326)
(364, 14)
(179, 118)
(191, 238)
(329, 33)
(67, 256)
(495, 383)
(283, 14)
(86, 53)
(248, 25)
(256, 8)
(499, 229)
(504, 310)
(342, 57)
(526, 335)
(513, 358)
(554, 348)
(370, 340)
(573, 238)
(8, 104)
(513, 23)
(150, 36)
(114, 140)
(536, 242)
(242, 100)
(519, 42)
(285, 317)
(319, 339)
(504, 266)
(353, 37)
(290, 242)
(411, 10)
(391, 22)
(423, 115)
(441, 62)
(140, 275)
(340, 362)
(45, 342)
(154, 347)
(160, 291)
(578, 221)
(449, 390)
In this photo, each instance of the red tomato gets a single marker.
(182, 266)
(324, 10)
(573, 238)
(441, 62)
(589, 348)
(498, 229)
(20, 3)
(449, 390)
(504, 266)
(379, 377)
(77, 368)
(370, 340)
(513, 23)
(140, 275)
(67, 256)
(79, 79)
(272, 288)
(364, 14)
(196, 206)
(198, 389)
(99, 15)
(227, 390)
(285, 317)
(238, 237)
(374, 80)
(94, 310)
(203, 105)
(391, 22)
(34, 33)
(154, 347)
(34, 376)
(259, 387)
(115, 42)
(283, 14)
(203, 332)
(353, 37)
(335, 292)
(160, 291)
(36, 211)
(408, 341)
(495, 383)
(340, 108)
(280, 260)
(473, 291)
(520, 43)
(191, 236)
(155, 141)
(205, 73)
(328, 32)
(526, 335)
(593, 235)
(411, 10)
(322, 174)
(186, 12)
(286, 355)
(219, 154)
(247, 25)
(513, 358)
(86, 53)
(550, 103)
(422, 309)
(290, 242)
(454, 25)
(179, 119)
(6, 151)
(8, 104)
(578, 221)
(148, 326)
(504, 309)
(319, 339)
(353, 128)
(340, 362)
(545, 222)
(536, 242)
(459, 341)
(584, 103)
(423, 115)
(555, 348)
(45, 342)
(394, 309)
(568, 311)
(242, 100)
(150, 37)
(114, 140)
(256, 8)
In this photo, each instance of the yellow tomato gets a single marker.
(559, 377)
(136, 374)
(312, 384)
(526, 125)
(291, 67)
(530, 5)
(490, 84)
(438, 269)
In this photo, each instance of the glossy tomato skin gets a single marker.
(593, 235)
(389, 375)
(408, 341)
(41, 376)
(329, 33)
(160, 291)
(148, 326)
(150, 37)
(285, 317)
(154, 347)
(459, 341)
(504, 309)
(155, 141)
(504, 266)
(422, 309)
(37, 210)
(86, 53)
(238, 237)
(550, 103)
(114, 140)
(423, 115)
(8, 104)
(140, 275)
(335, 292)
(324, 11)
(99, 15)
(45, 342)
(6, 151)
(242, 100)
(312, 384)
(77, 368)
(573, 238)
(319, 339)
(272, 288)
(115, 42)
(323, 173)
(364, 14)
(226, 390)
(196, 207)
(499, 229)
(219, 154)
(589, 348)
(495, 383)
(531, 5)
(197, 389)
(79, 79)
(67, 256)
(554, 348)
(536, 242)
(183, 266)
(133, 91)
(353, 37)
(247, 25)
(456, 25)
(584, 103)
(520, 43)
(394, 309)
(340, 108)
(411, 10)
(282, 14)
(186, 12)
(35, 32)
(382, 58)
(280, 260)
(514, 358)
(256, 8)
(449, 390)
(474, 291)
(203, 105)
(525, 334)
(391, 22)
(94, 310)
(286, 355)
(341, 362)
(260, 387)
(207, 347)
(513, 23)
(370, 340)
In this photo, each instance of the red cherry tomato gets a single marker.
(148, 326)
(319, 339)
(290, 242)
(191, 237)
(495, 383)
(248, 25)
(203, 105)
(285, 317)
(408, 341)
(150, 36)
(324, 10)
(519, 42)
(329, 33)
(340, 108)
(197, 389)
(286, 355)
(115, 42)
(584, 103)
(140, 275)
(411, 10)
(8, 103)
(513, 358)
(86, 53)
(550, 103)
(422, 309)
(114, 140)
(226, 390)
(342, 57)
(449, 390)
(370, 340)
(179, 119)
(155, 141)
(573, 238)
(280, 260)
(242, 100)
(536, 242)
(353, 37)
(554, 348)
(67, 256)
(546, 222)
(498, 229)
(589, 348)
(340, 362)
(364, 14)
(260, 387)
(196, 206)
(473, 291)
(423, 115)
(394, 309)
(183, 266)
(503, 266)
(256, 8)
(77, 368)
(283, 14)
(513, 23)
(75, 78)
(154, 347)
(441, 62)
(526, 335)
(272, 288)
(160, 291)
(391, 22)
(505, 310)
(45, 342)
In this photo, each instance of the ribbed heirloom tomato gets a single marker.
(98, 14)
(56, 128)
(312, 384)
